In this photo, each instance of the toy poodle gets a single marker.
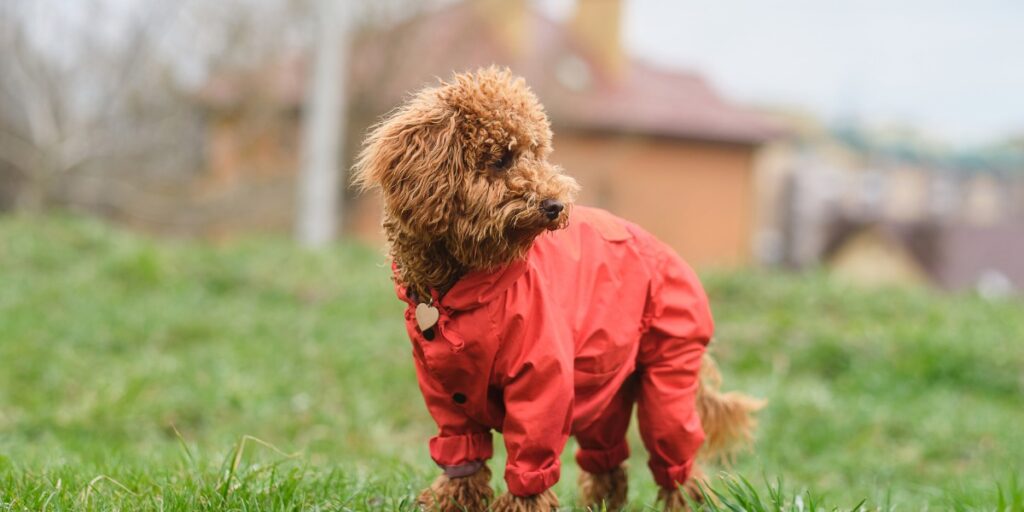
(533, 317)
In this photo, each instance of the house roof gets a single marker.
(577, 90)
(638, 98)
(652, 101)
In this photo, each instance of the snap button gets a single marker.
(429, 334)
(459, 398)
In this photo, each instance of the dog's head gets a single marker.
(464, 166)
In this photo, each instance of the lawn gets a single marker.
(168, 375)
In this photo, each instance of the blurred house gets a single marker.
(251, 140)
(953, 257)
(875, 255)
(658, 147)
(879, 207)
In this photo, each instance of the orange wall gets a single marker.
(696, 196)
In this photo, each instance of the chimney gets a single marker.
(597, 25)
(508, 18)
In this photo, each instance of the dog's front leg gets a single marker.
(470, 493)
(543, 502)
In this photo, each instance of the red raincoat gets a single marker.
(598, 316)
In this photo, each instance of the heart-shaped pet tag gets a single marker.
(426, 316)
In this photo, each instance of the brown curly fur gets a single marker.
(471, 493)
(463, 168)
(543, 502)
(606, 489)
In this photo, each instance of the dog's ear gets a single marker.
(415, 158)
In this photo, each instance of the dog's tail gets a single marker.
(727, 418)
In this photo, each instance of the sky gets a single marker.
(953, 68)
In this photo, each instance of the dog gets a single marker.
(534, 317)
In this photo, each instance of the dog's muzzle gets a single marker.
(551, 208)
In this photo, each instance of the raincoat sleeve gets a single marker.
(460, 441)
(536, 358)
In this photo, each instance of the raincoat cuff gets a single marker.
(463, 470)
(461, 449)
(602, 461)
(670, 477)
(528, 483)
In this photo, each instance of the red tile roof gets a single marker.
(651, 101)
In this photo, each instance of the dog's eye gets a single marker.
(504, 162)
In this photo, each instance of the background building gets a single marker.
(660, 148)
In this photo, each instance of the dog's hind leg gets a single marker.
(667, 414)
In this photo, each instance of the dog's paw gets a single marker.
(675, 500)
(607, 490)
(467, 494)
(543, 502)
(672, 500)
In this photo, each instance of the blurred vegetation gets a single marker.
(131, 369)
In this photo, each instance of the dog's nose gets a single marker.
(551, 208)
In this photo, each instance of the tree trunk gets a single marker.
(319, 200)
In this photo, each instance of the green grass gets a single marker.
(152, 374)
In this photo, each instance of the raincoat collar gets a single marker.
(480, 287)
(475, 288)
